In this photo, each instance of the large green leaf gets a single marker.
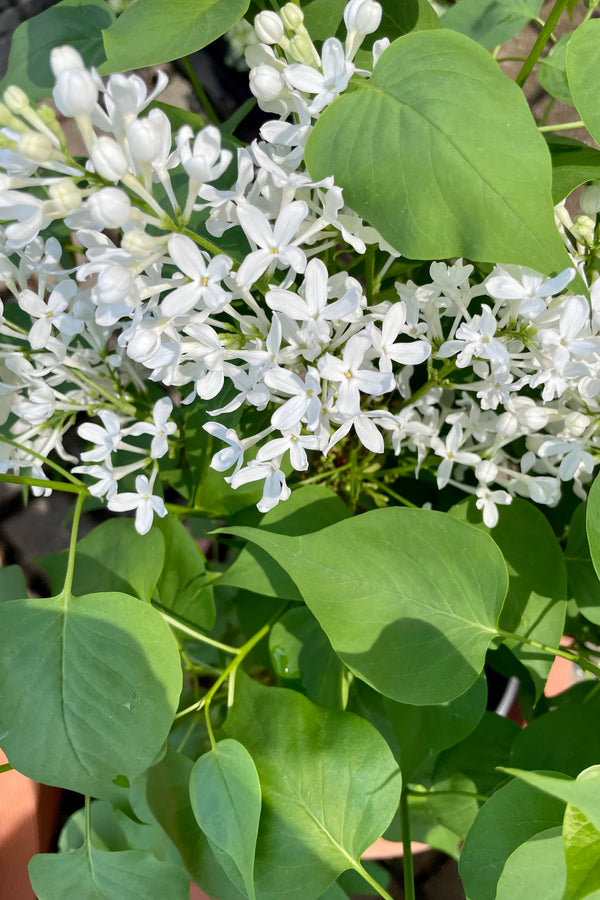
(535, 869)
(323, 19)
(112, 557)
(226, 800)
(416, 626)
(75, 22)
(564, 740)
(551, 71)
(593, 524)
(515, 813)
(91, 874)
(491, 22)
(422, 731)
(309, 509)
(573, 163)
(583, 794)
(583, 62)
(88, 688)
(442, 156)
(183, 587)
(330, 787)
(584, 586)
(536, 602)
(301, 654)
(150, 32)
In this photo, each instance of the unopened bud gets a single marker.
(110, 207)
(363, 16)
(8, 120)
(16, 99)
(144, 140)
(269, 27)
(583, 228)
(590, 200)
(75, 92)
(64, 58)
(109, 160)
(266, 83)
(35, 146)
(65, 195)
(302, 50)
(139, 244)
(292, 16)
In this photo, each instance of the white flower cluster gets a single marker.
(490, 384)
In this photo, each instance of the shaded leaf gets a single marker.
(226, 800)
(584, 585)
(183, 587)
(535, 869)
(416, 626)
(112, 557)
(105, 691)
(430, 93)
(491, 22)
(12, 583)
(584, 793)
(552, 74)
(573, 163)
(75, 22)
(583, 58)
(91, 874)
(149, 33)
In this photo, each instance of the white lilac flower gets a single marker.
(528, 287)
(451, 453)
(275, 487)
(106, 437)
(205, 273)
(292, 442)
(476, 339)
(407, 353)
(327, 84)
(351, 380)
(488, 500)
(160, 429)
(146, 504)
(276, 246)
(50, 314)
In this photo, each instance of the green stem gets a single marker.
(407, 858)
(183, 512)
(5, 768)
(73, 545)
(590, 11)
(44, 483)
(193, 632)
(370, 272)
(562, 126)
(379, 485)
(200, 92)
(543, 38)
(370, 880)
(47, 462)
(555, 651)
(88, 821)
(203, 242)
(480, 797)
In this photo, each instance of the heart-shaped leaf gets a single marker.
(417, 624)
(583, 62)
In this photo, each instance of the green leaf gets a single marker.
(581, 842)
(75, 22)
(583, 58)
(422, 731)
(111, 558)
(593, 524)
(301, 653)
(573, 163)
(515, 813)
(584, 585)
(309, 509)
(416, 626)
(226, 800)
(535, 869)
(88, 688)
(491, 22)
(12, 583)
(329, 782)
(536, 602)
(149, 33)
(551, 71)
(564, 740)
(91, 874)
(183, 587)
(323, 19)
(451, 195)
(584, 793)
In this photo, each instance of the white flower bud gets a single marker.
(110, 207)
(590, 199)
(63, 58)
(66, 196)
(38, 147)
(583, 228)
(266, 83)
(16, 99)
(114, 283)
(292, 16)
(363, 16)
(139, 244)
(75, 92)
(486, 471)
(144, 140)
(109, 160)
(302, 49)
(269, 27)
